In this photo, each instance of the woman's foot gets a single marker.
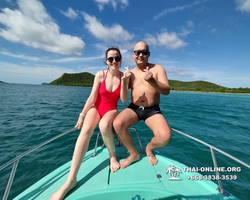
(60, 194)
(114, 164)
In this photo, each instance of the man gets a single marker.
(147, 81)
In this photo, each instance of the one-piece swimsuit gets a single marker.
(107, 100)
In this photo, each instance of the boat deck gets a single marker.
(138, 181)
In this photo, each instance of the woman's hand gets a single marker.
(126, 74)
(79, 122)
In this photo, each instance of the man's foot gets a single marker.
(132, 158)
(60, 194)
(114, 164)
(152, 159)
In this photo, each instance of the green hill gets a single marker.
(196, 86)
(204, 86)
(79, 79)
(86, 79)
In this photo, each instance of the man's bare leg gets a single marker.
(124, 120)
(105, 127)
(162, 135)
(90, 122)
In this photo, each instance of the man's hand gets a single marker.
(126, 74)
(147, 74)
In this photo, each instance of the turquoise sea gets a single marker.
(31, 114)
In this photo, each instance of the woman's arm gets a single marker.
(125, 84)
(91, 99)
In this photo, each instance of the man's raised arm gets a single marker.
(161, 84)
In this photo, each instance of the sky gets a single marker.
(193, 40)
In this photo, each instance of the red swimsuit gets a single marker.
(106, 100)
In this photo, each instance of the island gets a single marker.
(86, 79)
(83, 79)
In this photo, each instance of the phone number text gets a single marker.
(212, 177)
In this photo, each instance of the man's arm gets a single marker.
(161, 84)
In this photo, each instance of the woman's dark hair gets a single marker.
(109, 49)
(113, 48)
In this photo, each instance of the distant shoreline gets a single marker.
(86, 79)
(170, 89)
(211, 92)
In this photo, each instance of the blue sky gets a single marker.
(193, 40)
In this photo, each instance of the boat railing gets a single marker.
(118, 142)
(212, 148)
(15, 160)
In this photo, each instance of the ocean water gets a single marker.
(31, 114)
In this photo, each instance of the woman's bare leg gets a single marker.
(90, 122)
(105, 127)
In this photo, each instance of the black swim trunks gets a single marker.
(145, 112)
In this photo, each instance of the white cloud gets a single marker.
(46, 59)
(32, 26)
(76, 59)
(169, 40)
(243, 5)
(178, 8)
(93, 69)
(186, 30)
(124, 3)
(39, 73)
(115, 33)
(114, 3)
(192, 73)
(14, 73)
(70, 13)
(127, 45)
(179, 72)
(21, 56)
(150, 39)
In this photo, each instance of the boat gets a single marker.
(167, 180)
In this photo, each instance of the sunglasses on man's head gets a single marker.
(138, 52)
(111, 59)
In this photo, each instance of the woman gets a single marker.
(101, 107)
